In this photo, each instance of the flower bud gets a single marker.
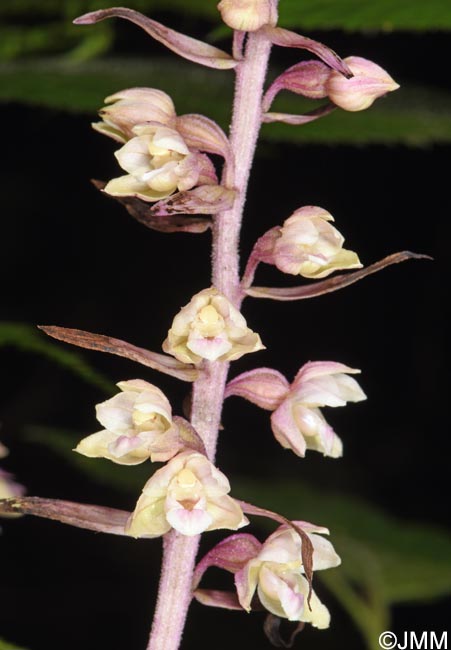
(309, 246)
(188, 494)
(298, 424)
(277, 574)
(137, 422)
(158, 163)
(129, 108)
(369, 82)
(248, 15)
(210, 327)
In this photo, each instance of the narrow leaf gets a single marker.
(286, 38)
(331, 284)
(184, 46)
(297, 120)
(97, 518)
(160, 362)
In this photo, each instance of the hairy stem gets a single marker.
(208, 391)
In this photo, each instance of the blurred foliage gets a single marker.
(4, 645)
(411, 116)
(385, 561)
(29, 339)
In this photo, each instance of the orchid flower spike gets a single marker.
(369, 82)
(188, 494)
(210, 327)
(138, 426)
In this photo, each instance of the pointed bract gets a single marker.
(185, 46)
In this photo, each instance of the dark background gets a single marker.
(72, 257)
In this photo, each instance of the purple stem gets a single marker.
(208, 391)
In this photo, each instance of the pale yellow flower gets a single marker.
(210, 327)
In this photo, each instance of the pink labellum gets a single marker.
(286, 38)
(204, 199)
(185, 46)
(97, 518)
(298, 120)
(286, 431)
(307, 78)
(160, 362)
(189, 522)
(331, 284)
(264, 387)
(231, 555)
(216, 598)
(199, 132)
(143, 212)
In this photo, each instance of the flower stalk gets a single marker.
(208, 390)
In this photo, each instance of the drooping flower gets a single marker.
(128, 108)
(277, 575)
(308, 245)
(158, 163)
(298, 423)
(138, 426)
(210, 327)
(248, 15)
(357, 93)
(188, 494)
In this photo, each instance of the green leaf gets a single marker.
(410, 116)
(28, 339)
(4, 645)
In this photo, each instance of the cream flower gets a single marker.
(138, 426)
(188, 494)
(158, 163)
(209, 327)
(309, 246)
(129, 108)
(369, 82)
(298, 424)
(276, 573)
(248, 15)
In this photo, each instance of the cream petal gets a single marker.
(285, 429)
(280, 595)
(134, 157)
(129, 186)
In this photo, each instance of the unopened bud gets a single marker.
(369, 82)
(248, 15)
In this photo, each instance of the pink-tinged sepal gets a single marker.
(299, 120)
(298, 424)
(127, 108)
(185, 46)
(263, 251)
(96, 518)
(218, 598)
(369, 81)
(231, 554)
(331, 284)
(264, 387)
(199, 132)
(204, 199)
(307, 78)
(286, 38)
